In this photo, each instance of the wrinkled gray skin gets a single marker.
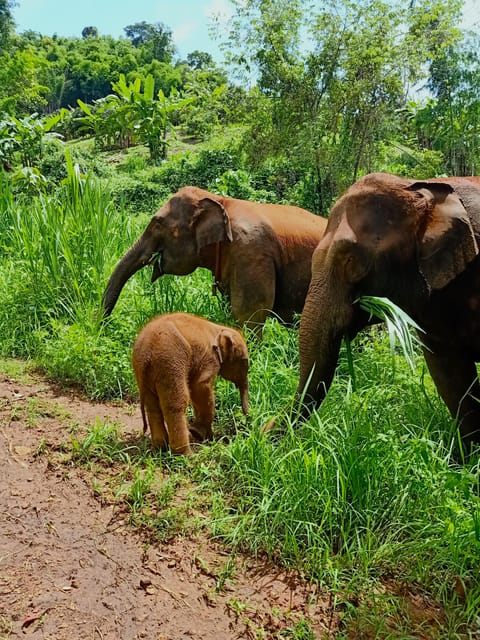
(265, 251)
(416, 243)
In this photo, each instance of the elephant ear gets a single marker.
(224, 346)
(211, 223)
(447, 242)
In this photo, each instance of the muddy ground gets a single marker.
(70, 569)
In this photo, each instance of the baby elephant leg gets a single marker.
(156, 421)
(174, 406)
(203, 401)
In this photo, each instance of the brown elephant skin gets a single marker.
(176, 358)
(416, 243)
(260, 254)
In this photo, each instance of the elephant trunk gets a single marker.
(323, 323)
(132, 261)
(244, 397)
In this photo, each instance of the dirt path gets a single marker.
(69, 571)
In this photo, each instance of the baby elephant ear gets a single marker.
(211, 223)
(446, 240)
(223, 346)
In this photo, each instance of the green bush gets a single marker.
(200, 170)
(137, 195)
(83, 355)
(173, 174)
(133, 160)
(238, 184)
(404, 161)
(54, 166)
(210, 164)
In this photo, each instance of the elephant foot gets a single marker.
(200, 432)
(183, 450)
(159, 445)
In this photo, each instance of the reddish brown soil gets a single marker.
(68, 570)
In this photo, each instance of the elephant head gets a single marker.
(232, 354)
(386, 236)
(173, 240)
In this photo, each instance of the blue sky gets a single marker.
(188, 19)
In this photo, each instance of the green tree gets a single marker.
(21, 87)
(329, 105)
(54, 72)
(155, 39)
(211, 105)
(449, 121)
(80, 68)
(6, 23)
(90, 32)
(200, 60)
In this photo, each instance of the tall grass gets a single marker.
(366, 488)
(65, 243)
(56, 252)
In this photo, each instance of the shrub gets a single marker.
(137, 195)
(210, 164)
(54, 166)
(238, 184)
(83, 355)
(404, 161)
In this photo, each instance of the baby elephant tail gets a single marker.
(144, 418)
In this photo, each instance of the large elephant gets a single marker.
(416, 243)
(259, 254)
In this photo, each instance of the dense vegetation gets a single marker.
(96, 132)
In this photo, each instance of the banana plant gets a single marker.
(134, 113)
(151, 113)
(21, 139)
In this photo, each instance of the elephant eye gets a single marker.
(356, 264)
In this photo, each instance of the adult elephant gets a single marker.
(416, 243)
(259, 254)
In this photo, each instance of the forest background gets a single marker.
(96, 132)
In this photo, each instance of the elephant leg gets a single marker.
(203, 401)
(251, 304)
(174, 402)
(456, 379)
(155, 420)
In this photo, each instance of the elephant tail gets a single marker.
(144, 417)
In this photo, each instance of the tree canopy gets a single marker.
(324, 93)
(6, 22)
(334, 79)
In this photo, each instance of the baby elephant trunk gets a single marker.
(243, 388)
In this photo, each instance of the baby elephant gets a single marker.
(176, 358)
